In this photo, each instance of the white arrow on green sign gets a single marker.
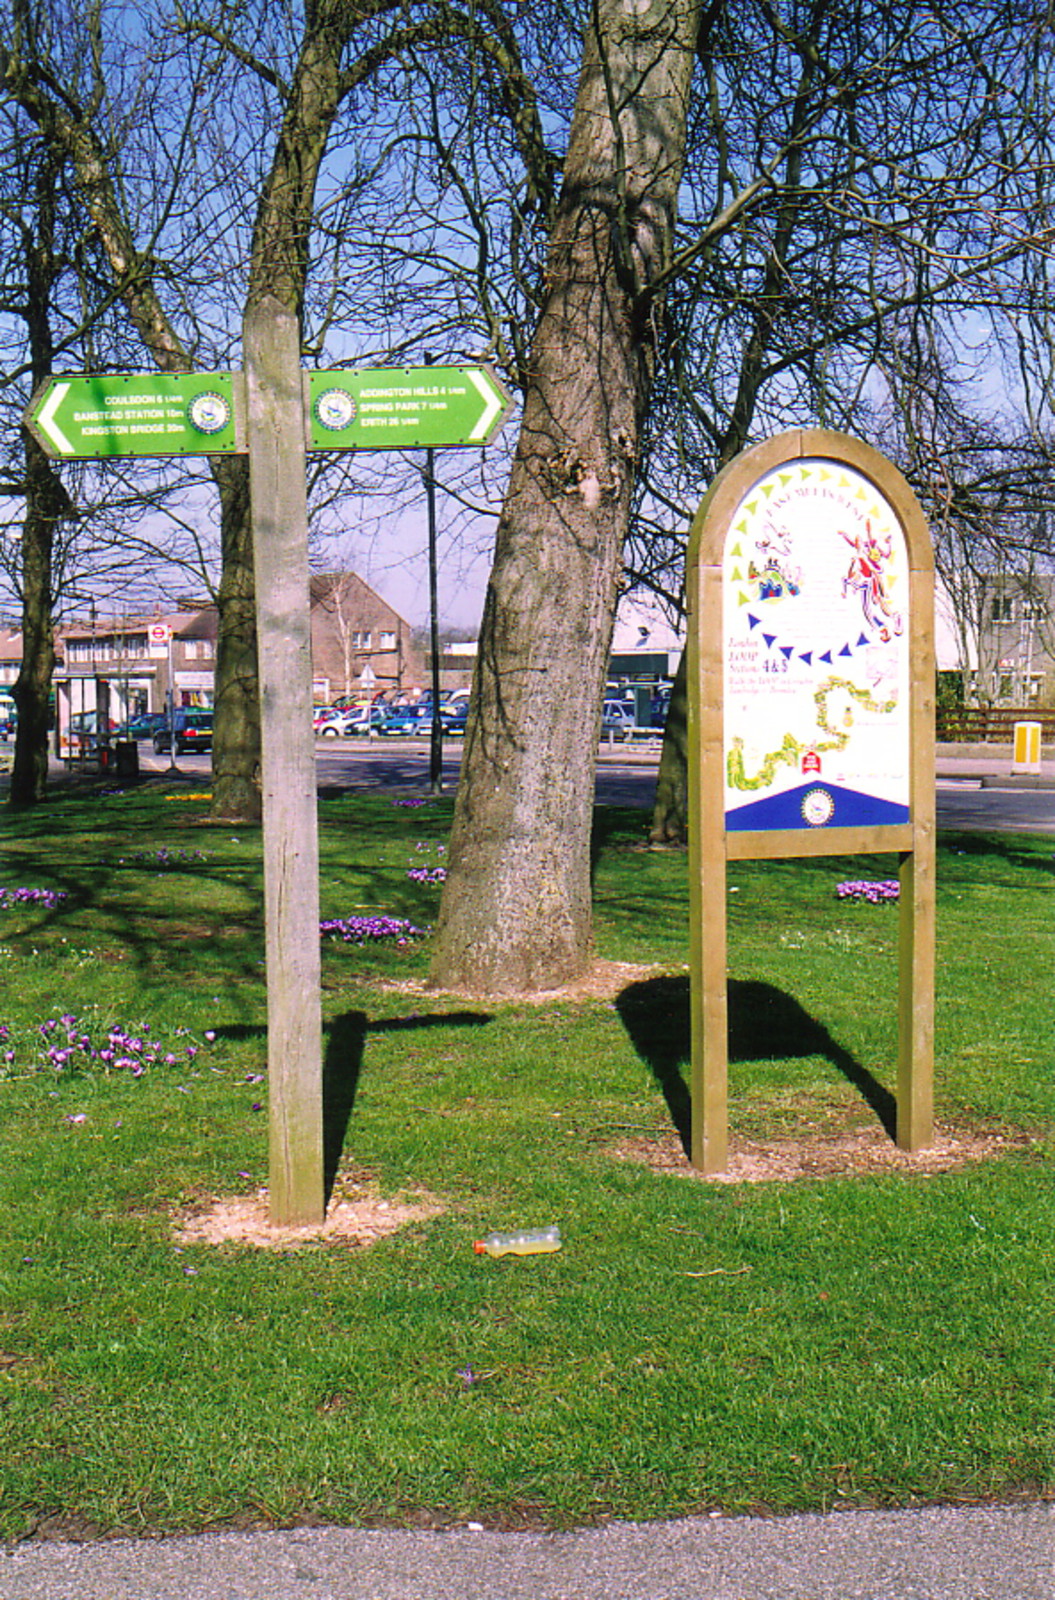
(393, 408)
(86, 416)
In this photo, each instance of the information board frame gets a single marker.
(712, 844)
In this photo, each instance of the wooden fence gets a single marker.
(990, 725)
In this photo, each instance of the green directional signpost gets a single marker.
(93, 416)
(90, 416)
(394, 408)
(276, 412)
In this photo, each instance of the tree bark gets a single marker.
(236, 754)
(46, 504)
(516, 911)
(670, 812)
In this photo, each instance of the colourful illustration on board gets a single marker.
(815, 602)
(867, 577)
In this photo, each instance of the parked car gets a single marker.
(453, 716)
(346, 723)
(144, 726)
(404, 720)
(192, 730)
(340, 711)
(7, 728)
(617, 720)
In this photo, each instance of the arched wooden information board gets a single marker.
(811, 720)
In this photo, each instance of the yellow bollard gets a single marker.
(1026, 756)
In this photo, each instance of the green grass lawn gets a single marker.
(871, 1339)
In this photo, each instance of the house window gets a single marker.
(1002, 608)
(361, 640)
(190, 649)
(388, 641)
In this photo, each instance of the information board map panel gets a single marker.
(815, 595)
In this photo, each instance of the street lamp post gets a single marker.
(436, 742)
(171, 708)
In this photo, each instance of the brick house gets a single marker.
(359, 644)
(124, 665)
(1001, 639)
(121, 666)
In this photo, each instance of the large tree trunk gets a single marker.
(670, 814)
(236, 733)
(280, 257)
(516, 911)
(236, 745)
(46, 503)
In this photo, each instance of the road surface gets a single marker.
(973, 792)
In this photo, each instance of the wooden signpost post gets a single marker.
(276, 412)
(811, 720)
(278, 496)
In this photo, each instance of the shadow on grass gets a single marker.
(616, 826)
(765, 1024)
(342, 1064)
(1034, 853)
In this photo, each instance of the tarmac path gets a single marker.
(981, 1553)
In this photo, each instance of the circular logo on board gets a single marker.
(335, 409)
(209, 412)
(818, 807)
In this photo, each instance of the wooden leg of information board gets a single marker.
(915, 1084)
(710, 1019)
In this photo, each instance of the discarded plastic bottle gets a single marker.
(525, 1242)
